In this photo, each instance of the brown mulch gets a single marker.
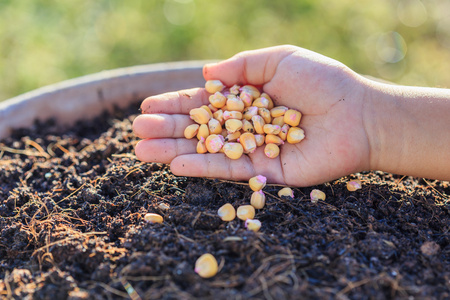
(72, 202)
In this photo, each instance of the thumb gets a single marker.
(255, 67)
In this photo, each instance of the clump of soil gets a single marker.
(72, 202)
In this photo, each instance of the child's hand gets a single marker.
(330, 96)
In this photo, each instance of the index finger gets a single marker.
(180, 102)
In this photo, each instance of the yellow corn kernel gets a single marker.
(213, 86)
(212, 108)
(200, 115)
(265, 114)
(247, 126)
(248, 141)
(253, 225)
(258, 199)
(232, 137)
(257, 183)
(214, 143)
(224, 108)
(265, 95)
(233, 125)
(271, 150)
(235, 103)
(353, 185)
(251, 90)
(191, 131)
(259, 139)
(153, 218)
(287, 192)
(317, 195)
(218, 115)
(261, 102)
(278, 121)
(295, 135)
(227, 212)
(230, 114)
(247, 98)
(214, 126)
(278, 111)
(206, 266)
(258, 124)
(292, 117)
(233, 150)
(284, 131)
(271, 129)
(201, 147)
(205, 107)
(203, 131)
(245, 212)
(249, 112)
(273, 139)
(234, 89)
(217, 100)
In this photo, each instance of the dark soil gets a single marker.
(72, 207)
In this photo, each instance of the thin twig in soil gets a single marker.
(23, 152)
(68, 239)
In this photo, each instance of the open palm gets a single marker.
(329, 95)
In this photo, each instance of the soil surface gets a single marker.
(72, 206)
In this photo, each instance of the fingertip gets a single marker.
(138, 150)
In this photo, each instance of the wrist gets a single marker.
(380, 115)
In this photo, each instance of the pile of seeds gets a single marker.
(240, 119)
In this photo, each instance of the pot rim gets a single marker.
(87, 96)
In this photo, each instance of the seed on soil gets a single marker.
(257, 183)
(206, 266)
(287, 192)
(245, 212)
(258, 199)
(213, 86)
(253, 225)
(227, 212)
(153, 218)
(317, 195)
(353, 185)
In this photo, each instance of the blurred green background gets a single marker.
(47, 41)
